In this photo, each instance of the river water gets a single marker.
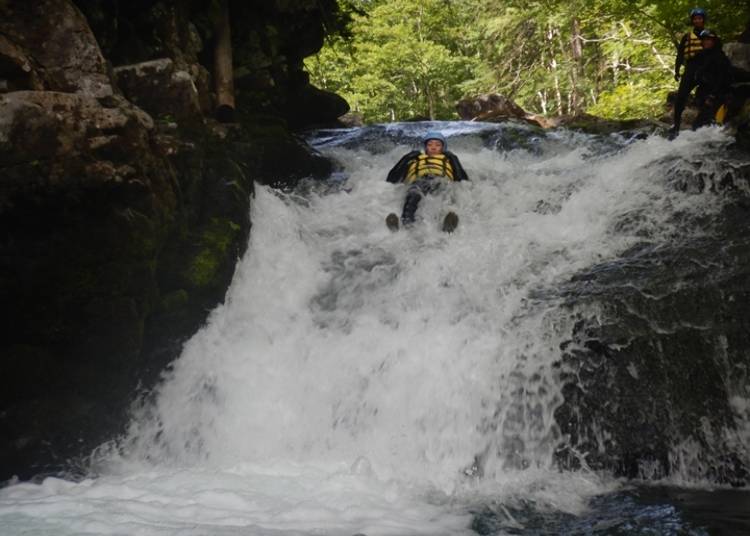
(358, 381)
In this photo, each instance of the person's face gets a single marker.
(698, 21)
(708, 42)
(433, 147)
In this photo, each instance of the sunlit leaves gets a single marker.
(416, 58)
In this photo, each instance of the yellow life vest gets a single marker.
(692, 46)
(423, 165)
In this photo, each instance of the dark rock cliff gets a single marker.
(123, 205)
(656, 372)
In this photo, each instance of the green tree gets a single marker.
(402, 62)
(417, 58)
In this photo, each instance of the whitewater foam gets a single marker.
(354, 376)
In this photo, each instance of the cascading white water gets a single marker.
(358, 380)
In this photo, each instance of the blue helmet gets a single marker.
(698, 12)
(434, 135)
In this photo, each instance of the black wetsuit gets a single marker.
(713, 76)
(687, 81)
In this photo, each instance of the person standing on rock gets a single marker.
(690, 45)
(424, 171)
(713, 75)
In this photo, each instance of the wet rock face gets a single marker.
(123, 208)
(739, 55)
(81, 223)
(658, 364)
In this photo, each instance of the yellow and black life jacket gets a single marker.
(692, 46)
(423, 165)
(721, 114)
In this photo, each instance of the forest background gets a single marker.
(396, 60)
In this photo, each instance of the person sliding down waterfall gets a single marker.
(424, 172)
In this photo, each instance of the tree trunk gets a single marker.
(430, 103)
(553, 69)
(223, 70)
(542, 101)
(576, 74)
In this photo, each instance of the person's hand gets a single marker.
(677, 76)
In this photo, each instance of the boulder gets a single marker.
(496, 108)
(16, 70)
(45, 125)
(55, 38)
(160, 89)
(84, 203)
(310, 106)
(491, 104)
(655, 373)
(739, 55)
(116, 240)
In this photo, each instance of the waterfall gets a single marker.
(359, 380)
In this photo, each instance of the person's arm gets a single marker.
(398, 173)
(680, 56)
(459, 174)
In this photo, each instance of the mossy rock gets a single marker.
(215, 244)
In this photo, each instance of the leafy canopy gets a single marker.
(407, 59)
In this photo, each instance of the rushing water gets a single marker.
(358, 381)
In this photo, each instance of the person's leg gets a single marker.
(706, 104)
(411, 203)
(683, 92)
(414, 195)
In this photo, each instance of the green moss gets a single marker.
(175, 300)
(215, 242)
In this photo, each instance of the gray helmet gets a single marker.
(434, 135)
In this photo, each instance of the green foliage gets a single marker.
(404, 59)
(402, 62)
(632, 100)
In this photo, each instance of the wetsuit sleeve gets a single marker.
(680, 54)
(398, 173)
(459, 174)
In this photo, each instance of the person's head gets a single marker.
(698, 17)
(434, 143)
(708, 39)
